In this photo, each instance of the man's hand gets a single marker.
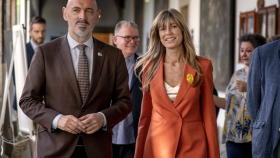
(93, 122)
(70, 124)
(241, 86)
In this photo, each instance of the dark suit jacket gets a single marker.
(136, 96)
(215, 92)
(29, 53)
(52, 75)
(263, 99)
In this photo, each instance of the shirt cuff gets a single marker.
(104, 127)
(55, 120)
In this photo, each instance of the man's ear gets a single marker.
(98, 16)
(115, 40)
(64, 10)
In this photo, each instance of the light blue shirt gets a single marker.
(34, 46)
(124, 131)
(130, 65)
(75, 59)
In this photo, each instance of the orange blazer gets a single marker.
(187, 127)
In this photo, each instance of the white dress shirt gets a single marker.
(75, 52)
(171, 91)
(34, 46)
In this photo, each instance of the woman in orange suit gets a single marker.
(178, 113)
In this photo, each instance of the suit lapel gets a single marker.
(160, 89)
(185, 85)
(98, 59)
(64, 55)
(133, 81)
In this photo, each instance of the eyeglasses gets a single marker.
(128, 38)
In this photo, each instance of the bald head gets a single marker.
(69, 2)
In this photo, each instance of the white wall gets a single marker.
(147, 23)
(245, 6)
(175, 4)
(194, 22)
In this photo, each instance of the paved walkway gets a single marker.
(220, 124)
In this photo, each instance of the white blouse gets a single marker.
(171, 91)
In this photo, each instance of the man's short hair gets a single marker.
(125, 23)
(273, 38)
(36, 20)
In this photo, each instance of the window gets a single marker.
(266, 21)
(247, 23)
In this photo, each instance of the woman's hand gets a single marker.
(219, 102)
(241, 86)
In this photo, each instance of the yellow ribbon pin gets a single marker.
(190, 78)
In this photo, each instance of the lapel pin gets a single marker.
(99, 54)
(190, 78)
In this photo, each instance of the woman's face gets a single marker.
(170, 35)
(246, 50)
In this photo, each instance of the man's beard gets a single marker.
(83, 33)
(38, 41)
(82, 29)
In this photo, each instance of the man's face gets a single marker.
(82, 15)
(128, 47)
(38, 33)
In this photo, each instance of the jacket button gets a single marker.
(279, 129)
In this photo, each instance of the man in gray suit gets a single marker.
(263, 100)
(125, 133)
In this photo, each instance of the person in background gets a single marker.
(273, 38)
(125, 133)
(37, 33)
(237, 132)
(215, 92)
(178, 112)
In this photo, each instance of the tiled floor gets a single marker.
(220, 124)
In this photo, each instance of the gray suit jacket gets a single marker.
(263, 99)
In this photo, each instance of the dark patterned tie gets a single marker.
(83, 72)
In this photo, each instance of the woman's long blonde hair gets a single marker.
(151, 60)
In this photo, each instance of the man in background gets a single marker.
(124, 134)
(37, 33)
